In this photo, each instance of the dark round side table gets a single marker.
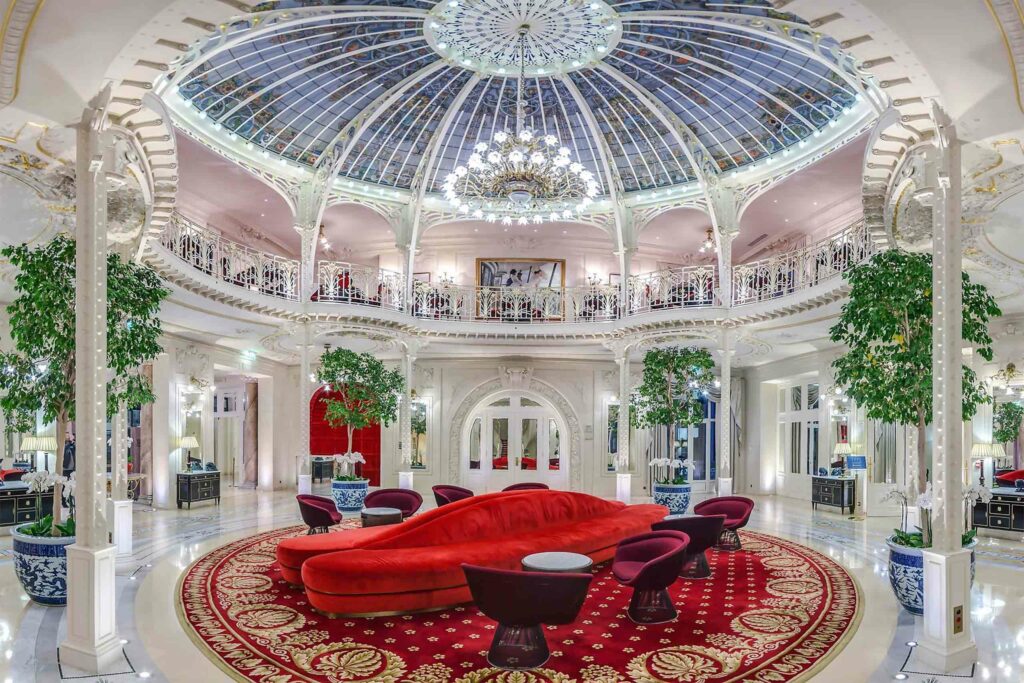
(557, 563)
(381, 516)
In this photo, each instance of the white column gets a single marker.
(623, 484)
(725, 418)
(946, 642)
(626, 266)
(119, 507)
(305, 394)
(91, 643)
(405, 412)
(725, 267)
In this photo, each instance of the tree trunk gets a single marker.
(62, 430)
(922, 480)
(351, 432)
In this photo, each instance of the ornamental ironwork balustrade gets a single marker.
(349, 283)
(230, 261)
(683, 287)
(674, 288)
(783, 274)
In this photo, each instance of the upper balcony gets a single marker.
(202, 260)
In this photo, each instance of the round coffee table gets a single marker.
(680, 515)
(381, 516)
(557, 563)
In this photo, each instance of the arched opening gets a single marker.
(513, 437)
(327, 440)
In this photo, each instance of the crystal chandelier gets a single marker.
(709, 241)
(521, 176)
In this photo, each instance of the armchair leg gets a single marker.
(651, 607)
(518, 648)
(697, 567)
(729, 541)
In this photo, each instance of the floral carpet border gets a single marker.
(820, 640)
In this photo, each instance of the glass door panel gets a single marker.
(528, 461)
(499, 443)
(474, 444)
(554, 446)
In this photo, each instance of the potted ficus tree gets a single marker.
(886, 326)
(37, 378)
(362, 393)
(675, 380)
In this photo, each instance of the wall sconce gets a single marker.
(446, 279)
(593, 279)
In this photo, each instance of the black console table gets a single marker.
(1005, 511)
(322, 469)
(194, 487)
(18, 506)
(837, 492)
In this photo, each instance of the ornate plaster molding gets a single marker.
(14, 33)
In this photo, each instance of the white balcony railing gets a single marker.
(684, 287)
(348, 283)
(515, 304)
(675, 288)
(784, 274)
(231, 262)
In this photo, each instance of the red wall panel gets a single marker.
(326, 440)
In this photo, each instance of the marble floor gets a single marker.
(167, 541)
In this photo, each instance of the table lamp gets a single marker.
(980, 451)
(46, 444)
(188, 443)
(842, 450)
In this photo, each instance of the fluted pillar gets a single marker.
(305, 395)
(91, 642)
(622, 459)
(724, 473)
(405, 406)
(946, 641)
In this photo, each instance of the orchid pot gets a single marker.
(670, 487)
(40, 557)
(348, 490)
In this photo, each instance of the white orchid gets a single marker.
(70, 483)
(925, 501)
(41, 481)
(348, 462)
(975, 493)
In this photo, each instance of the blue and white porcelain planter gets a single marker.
(349, 495)
(676, 497)
(41, 565)
(906, 574)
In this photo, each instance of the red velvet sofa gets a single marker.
(417, 565)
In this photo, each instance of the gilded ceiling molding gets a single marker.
(1009, 18)
(14, 33)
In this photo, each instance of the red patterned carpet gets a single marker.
(773, 612)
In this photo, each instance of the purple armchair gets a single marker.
(406, 500)
(449, 493)
(318, 513)
(521, 602)
(649, 563)
(526, 486)
(737, 511)
(704, 532)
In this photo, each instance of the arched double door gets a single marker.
(515, 437)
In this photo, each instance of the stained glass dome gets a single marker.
(646, 93)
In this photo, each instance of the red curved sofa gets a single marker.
(417, 565)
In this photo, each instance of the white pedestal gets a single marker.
(92, 643)
(305, 484)
(405, 481)
(945, 641)
(725, 486)
(624, 487)
(119, 523)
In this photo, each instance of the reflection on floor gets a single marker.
(167, 541)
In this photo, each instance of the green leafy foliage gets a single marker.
(887, 328)
(39, 375)
(915, 539)
(46, 527)
(1006, 422)
(365, 392)
(674, 380)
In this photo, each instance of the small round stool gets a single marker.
(557, 563)
(381, 516)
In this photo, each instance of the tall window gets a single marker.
(799, 428)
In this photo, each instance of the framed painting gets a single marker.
(423, 276)
(615, 278)
(520, 272)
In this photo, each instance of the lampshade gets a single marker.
(39, 443)
(980, 451)
(998, 451)
(842, 448)
(189, 442)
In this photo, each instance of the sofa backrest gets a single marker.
(496, 516)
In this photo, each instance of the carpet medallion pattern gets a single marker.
(773, 612)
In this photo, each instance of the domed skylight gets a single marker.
(641, 90)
